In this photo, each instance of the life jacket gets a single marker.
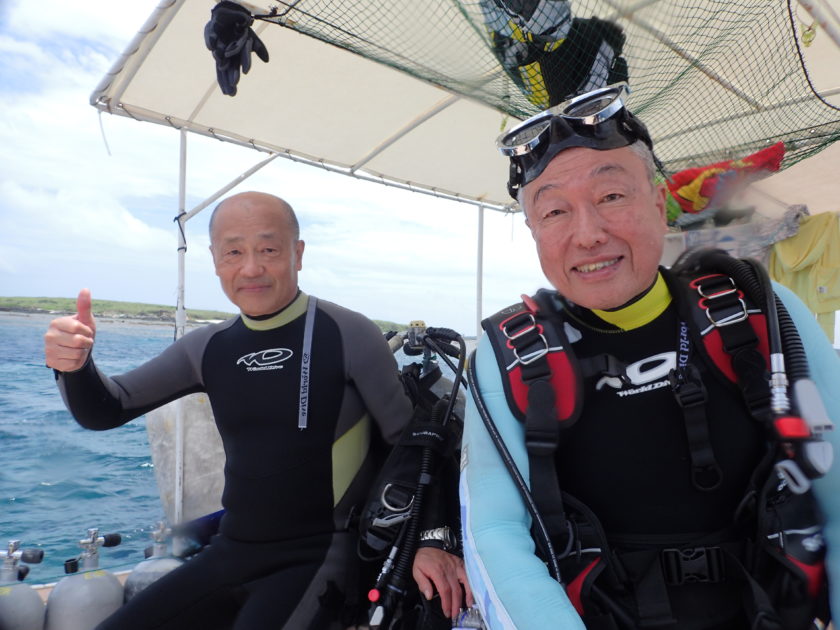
(774, 550)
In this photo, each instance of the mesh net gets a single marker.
(712, 79)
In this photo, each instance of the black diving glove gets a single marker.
(229, 36)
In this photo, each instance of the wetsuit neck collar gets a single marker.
(288, 313)
(641, 310)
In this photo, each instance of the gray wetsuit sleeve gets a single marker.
(100, 402)
(373, 370)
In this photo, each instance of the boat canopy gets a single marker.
(413, 93)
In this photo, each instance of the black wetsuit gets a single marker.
(650, 468)
(651, 496)
(284, 557)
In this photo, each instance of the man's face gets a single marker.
(599, 225)
(256, 256)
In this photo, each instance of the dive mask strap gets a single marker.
(597, 120)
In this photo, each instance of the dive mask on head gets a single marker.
(596, 119)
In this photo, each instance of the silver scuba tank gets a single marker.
(88, 595)
(21, 608)
(155, 566)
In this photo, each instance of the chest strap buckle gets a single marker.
(691, 566)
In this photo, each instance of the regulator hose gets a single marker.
(402, 564)
(394, 582)
(443, 349)
(779, 322)
(797, 360)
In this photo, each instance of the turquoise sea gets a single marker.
(58, 479)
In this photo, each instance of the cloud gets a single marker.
(107, 22)
(53, 242)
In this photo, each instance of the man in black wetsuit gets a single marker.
(298, 387)
(657, 520)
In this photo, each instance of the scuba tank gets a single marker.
(158, 563)
(83, 599)
(21, 608)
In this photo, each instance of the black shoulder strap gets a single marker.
(729, 330)
(542, 386)
(530, 347)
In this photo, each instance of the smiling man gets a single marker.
(257, 252)
(622, 466)
(598, 223)
(299, 388)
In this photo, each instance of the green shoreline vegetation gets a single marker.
(110, 309)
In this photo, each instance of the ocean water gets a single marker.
(58, 479)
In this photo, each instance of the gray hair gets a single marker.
(638, 147)
(646, 155)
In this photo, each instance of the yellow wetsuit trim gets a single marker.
(292, 311)
(348, 453)
(642, 311)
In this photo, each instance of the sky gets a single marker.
(89, 201)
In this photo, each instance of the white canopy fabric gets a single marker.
(318, 102)
(313, 101)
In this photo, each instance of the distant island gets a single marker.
(111, 309)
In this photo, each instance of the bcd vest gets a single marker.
(771, 558)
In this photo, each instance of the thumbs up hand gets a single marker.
(68, 340)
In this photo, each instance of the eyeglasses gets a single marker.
(596, 119)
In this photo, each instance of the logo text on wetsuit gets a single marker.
(685, 346)
(646, 375)
(303, 409)
(265, 359)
